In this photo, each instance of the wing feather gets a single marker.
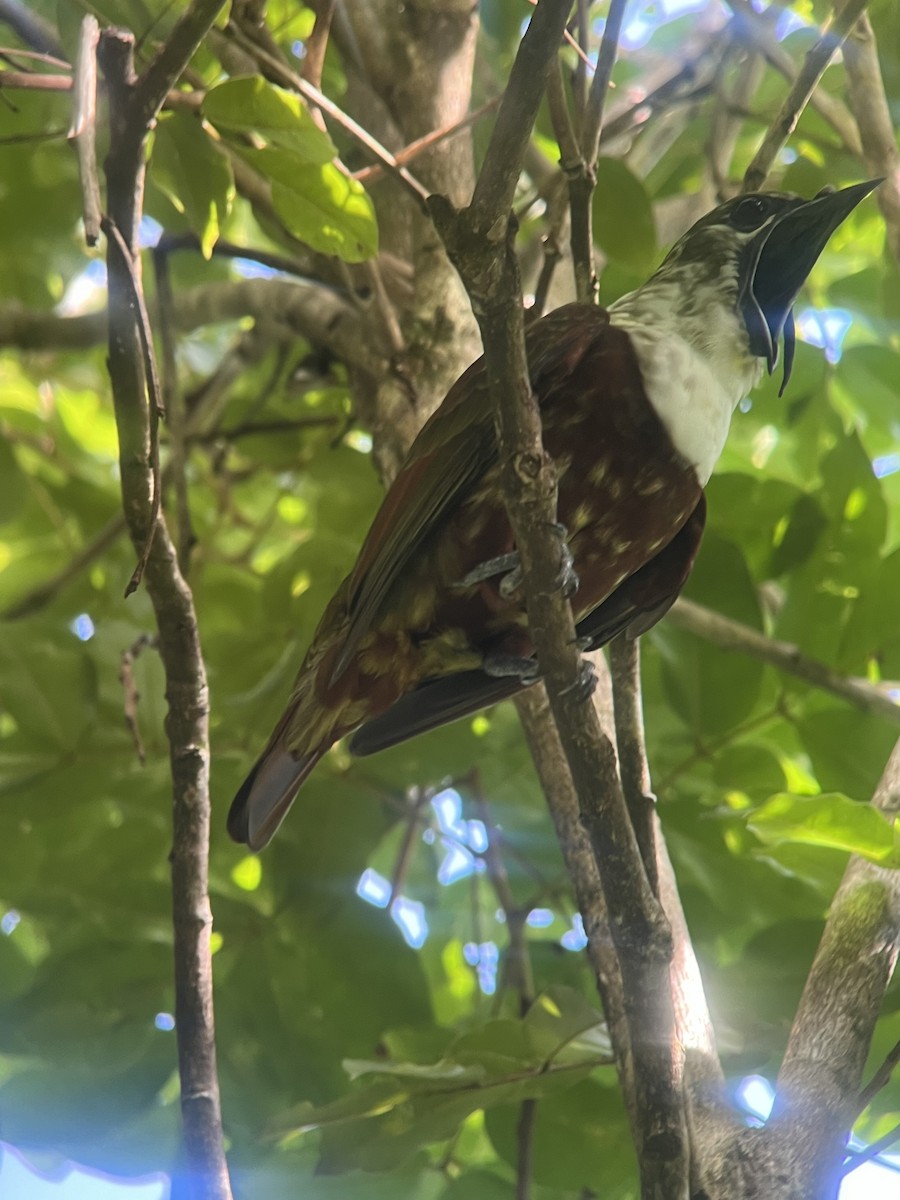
(454, 449)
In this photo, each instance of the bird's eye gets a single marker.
(750, 213)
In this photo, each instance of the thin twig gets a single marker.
(317, 42)
(856, 1158)
(499, 175)
(417, 798)
(10, 53)
(869, 104)
(187, 723)
(817, 59)
(314, 96)
(174, 55)
(879, 1080)
(130, 693)
(729, 634)
(155, 398)
(83, 130)
(752, 26)
(173, 402)
(34, 30)
(429, 140)
(592, 122)
(625, 668)
(33, 81)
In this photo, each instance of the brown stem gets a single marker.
(817, 59)
(133, 107)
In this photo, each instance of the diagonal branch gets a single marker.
(833, 1027)
(817, 59)
(729, 634)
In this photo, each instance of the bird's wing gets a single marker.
(452, 452)
(636, 605)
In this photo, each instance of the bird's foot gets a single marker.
(502, 666)
(503, 564)
(510, 567)
(585, 682)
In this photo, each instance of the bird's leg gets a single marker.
(510, 567)
(502, 666)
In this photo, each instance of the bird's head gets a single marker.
(753, 254)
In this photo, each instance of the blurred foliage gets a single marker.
(407, 1062)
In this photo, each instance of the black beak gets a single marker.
(778, 260)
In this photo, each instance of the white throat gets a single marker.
(695, 363)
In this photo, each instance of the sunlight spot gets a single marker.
(374, 888)
(576, 938)
(763, 444)
(409, 915)
(886, 464)
(447, 807)
(540, 918)
(756, 1095)
(458, 864)
(825, 328)
(484, 958)
(9, 921)
(478, 836)
(249, 268)
(358, 439)
(82, 627)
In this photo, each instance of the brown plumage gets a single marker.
(635, 406)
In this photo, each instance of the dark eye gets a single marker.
(750, 213)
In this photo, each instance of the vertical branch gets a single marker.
(625, 665)
(173, 403)
(133, 106)
(869, 104)
(83, 130)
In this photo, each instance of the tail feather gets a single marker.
(267, 793)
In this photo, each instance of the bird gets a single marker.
(635, 401)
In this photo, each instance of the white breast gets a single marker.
(694, 382)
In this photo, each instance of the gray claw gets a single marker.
(583, 687)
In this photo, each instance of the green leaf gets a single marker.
(624, 225)
(251, 105)
(319, 204)
(194, 174)
(832, 820)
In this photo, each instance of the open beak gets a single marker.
(777, 262)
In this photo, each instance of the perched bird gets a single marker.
(636, 401)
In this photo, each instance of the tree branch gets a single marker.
(832, 1031)
(206, 1172)
(152, 88)
(751, 26)
(865, 90)
(728, 634)
(817, 59)
(480, 242)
